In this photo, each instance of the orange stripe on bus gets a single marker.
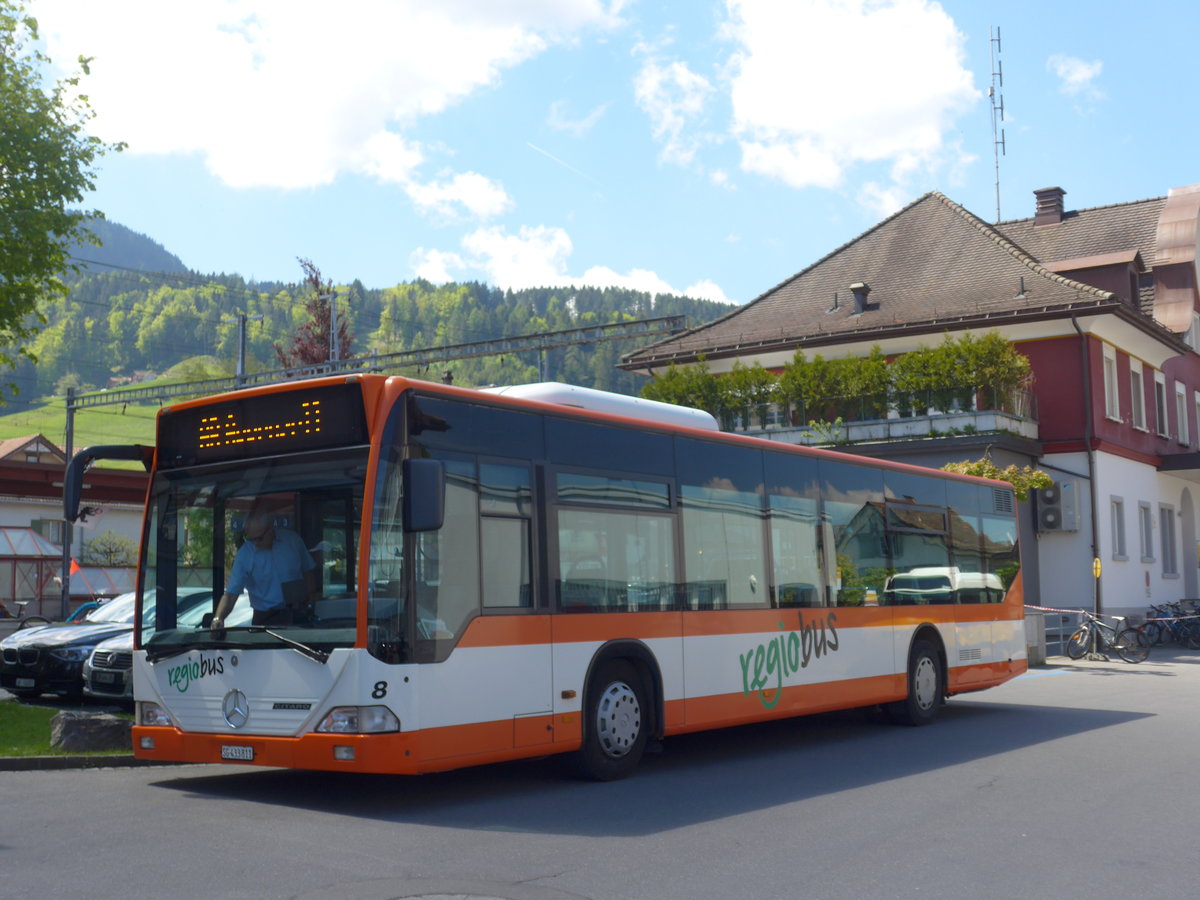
(739, 709)
(506, 631)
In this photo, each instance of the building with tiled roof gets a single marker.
(1104, 303)
(31, 506)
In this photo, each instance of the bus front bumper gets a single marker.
(382, 753)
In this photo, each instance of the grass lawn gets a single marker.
(95, 425)
(25, 731)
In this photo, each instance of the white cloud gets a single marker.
(479, 196)
(820, 86)
(292, 94)
(537, 256)
(534, 257)
(1076, 77)
(435, 265)
(390, 158)
(560, 120)
(707, 290)
(673, 96)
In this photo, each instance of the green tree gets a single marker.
(47, 161)
(746, 389)
(109, 549)
(686, 386)
(1023, 480)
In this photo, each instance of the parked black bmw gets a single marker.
(50, 660)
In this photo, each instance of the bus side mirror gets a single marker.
(79, 464)
(424, 505)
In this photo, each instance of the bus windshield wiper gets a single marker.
(321, 656)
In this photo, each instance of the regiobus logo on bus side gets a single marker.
(765, 666)
(182, 676)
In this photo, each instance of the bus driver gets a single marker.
(275, 568)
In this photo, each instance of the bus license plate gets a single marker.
(25, 683)
(240, 753)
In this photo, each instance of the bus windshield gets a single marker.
(280, 533)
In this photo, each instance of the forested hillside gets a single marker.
(118, 323)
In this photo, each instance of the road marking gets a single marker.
(1041, 674)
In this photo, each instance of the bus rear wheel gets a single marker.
(614, 735)
(925, 688)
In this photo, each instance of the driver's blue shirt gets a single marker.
(262, 572)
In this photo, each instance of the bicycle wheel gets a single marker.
(1157, 633)
(1190, 634)
(1078, 643)
(1131, 645)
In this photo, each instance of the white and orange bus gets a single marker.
(504, 577)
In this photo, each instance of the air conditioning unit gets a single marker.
(1057, 507)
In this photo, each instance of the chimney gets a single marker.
(1049, 206)
(860, 289)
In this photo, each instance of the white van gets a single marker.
(926, 585)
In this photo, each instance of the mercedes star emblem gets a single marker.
(236, 708)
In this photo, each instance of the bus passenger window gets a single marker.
(615, 561)
(796, 552)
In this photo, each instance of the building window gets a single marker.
(1146, 531)
(1181, 417)
(1196, 408)
(1166, 527)
(1118, 528)
(1192, 336)
(50, 529)
(1160, 404)
(1112, 406)
(1137, 395)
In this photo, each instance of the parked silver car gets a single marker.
(107, 672)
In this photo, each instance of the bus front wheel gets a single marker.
(925, 688)
(615, 727)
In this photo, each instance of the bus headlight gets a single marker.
(359, 720)
(152, 714)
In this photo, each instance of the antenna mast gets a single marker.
(996, 95)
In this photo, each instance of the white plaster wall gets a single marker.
(1129, 584)
(122, 519)
(1065, 558)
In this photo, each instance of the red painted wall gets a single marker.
(1058, 386)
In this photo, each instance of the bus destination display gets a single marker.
(263, 425)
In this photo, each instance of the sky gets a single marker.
(705, 148)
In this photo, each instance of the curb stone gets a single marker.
(47, 763)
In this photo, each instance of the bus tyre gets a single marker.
(614, 729)
(925, 688)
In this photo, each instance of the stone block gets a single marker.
(82, 732)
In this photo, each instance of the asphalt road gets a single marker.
(1072, 781)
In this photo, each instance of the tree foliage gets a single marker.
(47, 161)
(312, 343)
(115, 325)
(951, 375)
(109, 549)
(1023, 479)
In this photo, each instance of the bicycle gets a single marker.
(1094, 635)
(1170, 622)
(24, 621)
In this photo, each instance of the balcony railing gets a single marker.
(888, 417)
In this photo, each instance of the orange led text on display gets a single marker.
(225, 431)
